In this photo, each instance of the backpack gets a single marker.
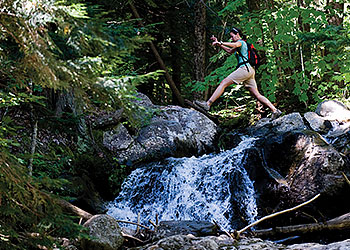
(253, 56)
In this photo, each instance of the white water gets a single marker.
(203, 188)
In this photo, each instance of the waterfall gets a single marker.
(202, 188)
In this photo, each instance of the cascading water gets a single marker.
(206, 188)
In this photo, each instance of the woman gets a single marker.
(245, 73)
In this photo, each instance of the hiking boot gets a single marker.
(276, 114)
(202, 104)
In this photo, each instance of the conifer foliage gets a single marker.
(49, 48)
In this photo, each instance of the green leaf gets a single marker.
(303, 97)
(305, 86)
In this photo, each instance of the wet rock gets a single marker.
(342, 144)
(196, 228)
(105, 234)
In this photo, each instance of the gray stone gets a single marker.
(117, 139)
(190, 242)
(342, 245)
(105, 233)
(333, 110)
(283, 124)
(173, 131)
(316, 122)
(196, 228)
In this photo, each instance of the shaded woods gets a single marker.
(70, 67)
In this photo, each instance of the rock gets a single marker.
(117, 139)
(105, 119)
(309, 165)
(88, 198)
(342, 245)
(316, 122)
(196, 228)
(333, 110)
(338, 129)
(342, 144)
(105, 234)
(331, 117)
(283, 124)
(173, 131)
(190, 242)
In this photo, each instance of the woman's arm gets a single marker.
(229, 47)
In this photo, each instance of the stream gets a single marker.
(206, 188)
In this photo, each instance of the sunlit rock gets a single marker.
(333, 110)
(172, 131)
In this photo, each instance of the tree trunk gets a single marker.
(253, 5)
(336, 20)
(175, 50)
(161, 62)
(199, 43)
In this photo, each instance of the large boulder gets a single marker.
(105, 233)
(300, 165)
(172, 131)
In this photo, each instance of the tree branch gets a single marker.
(275, 214)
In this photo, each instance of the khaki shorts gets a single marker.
(243, 75)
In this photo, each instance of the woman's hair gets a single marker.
(239, 31)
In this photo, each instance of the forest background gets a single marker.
(95, 55)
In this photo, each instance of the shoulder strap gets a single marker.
(245, 59)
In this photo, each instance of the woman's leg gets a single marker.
(254, 92)
(219, 90)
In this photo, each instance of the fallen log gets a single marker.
(338, 223)
(73, 209)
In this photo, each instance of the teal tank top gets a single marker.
(244, 52)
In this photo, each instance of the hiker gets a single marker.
(244, 73)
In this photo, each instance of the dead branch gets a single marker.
(275, 214)
(32, 147)
(216, 224)
(133, 223)
(138, 222)
(132, 237)
(339, 223)
(346, 178)
(153, 224)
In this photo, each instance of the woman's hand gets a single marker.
(215, 41)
